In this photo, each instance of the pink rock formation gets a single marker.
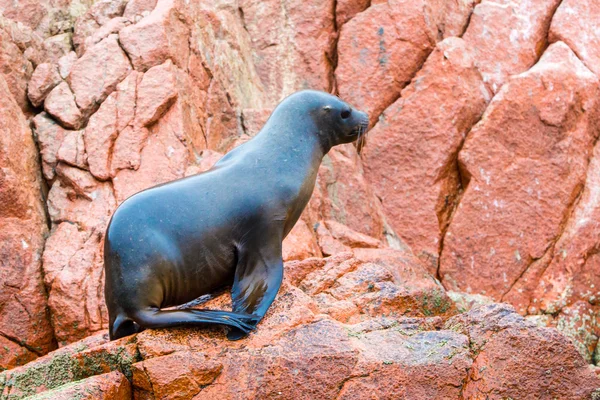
(521, 187)
(141, 92)
(411, 153)
(576, 24)
(25, 330)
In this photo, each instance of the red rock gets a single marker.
(60, 103)
(343, 194)
(96, 74)
(209, 159)
(78, 180)
(521, 187)
(291, 59)
(517, 359)
(408, 370)
(388, 43)
(104, 11)
(65, 63)
(345, 10)
(457, 15)
(160, 36)
(23, 318)
(99, 136)
(76, 294)
(515, 363)
(384, 356)
(328, 244)
(57, 46)
(28, 12)
(13, 354)
(349, 237)
(221, 124)
(156, 93)
(130, 139)
(576, 24)
(111, 386)
(127, 148)
(64, 241)
(44, 79)
(64, 204)
(135, 10)
(508, 37)
(85, 27)
(410, 155)
(300, 243)
(163, 158)
(72, 150)
(49, 371)
(14, 66)
(179, 375)
(571, 275)
(126, 100)
(49, 136)
(112, 26)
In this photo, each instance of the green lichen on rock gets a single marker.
(57, 371)
(76, 390)
(66, 368)
(116, 359)
(435, 303)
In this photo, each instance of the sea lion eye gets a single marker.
(346, 113)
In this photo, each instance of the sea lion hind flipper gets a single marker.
(258, 277)
(155, 318)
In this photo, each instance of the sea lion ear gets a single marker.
(327, 108)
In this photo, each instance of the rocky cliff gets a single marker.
(478, 185)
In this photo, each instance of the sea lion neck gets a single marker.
(292, 131)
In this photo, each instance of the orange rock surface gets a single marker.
(479, 184)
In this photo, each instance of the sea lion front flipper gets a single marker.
(258, 276)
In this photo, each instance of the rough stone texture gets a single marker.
(576, 23)
(411, 153)
(301, 353)
(521, 188)
(96, 74)
(291, 59)
(60, 103)
(387, 43)
(345, 10)
(72, 150)
(157, 92)
(44, 79)
(204, 77)
(508, 36)
(160, 36)
(515, 358)
(25, 330)
(14, 66)
(110, 386)
(49, 136)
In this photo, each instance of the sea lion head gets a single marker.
(337, 122)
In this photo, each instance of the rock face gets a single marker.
(411, 154)
(349, 327)
(480, 176)
(521, 188)
(25, 330)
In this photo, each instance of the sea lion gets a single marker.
(172, 243)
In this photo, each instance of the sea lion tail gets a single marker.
(154, 318)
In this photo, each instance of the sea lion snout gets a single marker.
(359, 132)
